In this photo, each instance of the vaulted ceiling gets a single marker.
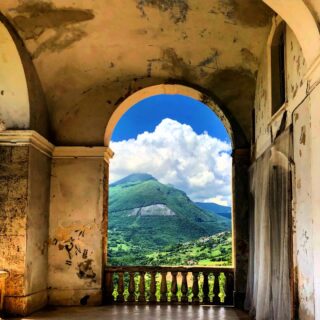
(91, 54)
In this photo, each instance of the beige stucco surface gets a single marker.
(75, 235)
(103, 51)
(14, 99)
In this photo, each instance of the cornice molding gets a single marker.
(32, 138)
(24, 138)
(82, 152)
(108, 154)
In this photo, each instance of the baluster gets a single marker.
(142, 288)
(229, 288)
(120, 297)
(184, 287)
(109, 299)
(174, 287)
(163, 288)
(153, 287)
(205, 288)
(195, 288)
(132, 288)
(216, 288)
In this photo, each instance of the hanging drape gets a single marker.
(268, 287)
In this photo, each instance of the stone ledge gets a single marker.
(83, 152)
(25, 138)
(30, 137)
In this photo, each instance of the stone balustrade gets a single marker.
(164, 285)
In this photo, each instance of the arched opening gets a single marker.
(117, 186)
(170, 186)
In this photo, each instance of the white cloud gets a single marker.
(174, 154)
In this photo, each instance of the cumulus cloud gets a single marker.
(173, 153)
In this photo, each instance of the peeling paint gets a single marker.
(252, 13)
(33, 19)
(177, 9)
(176, 65)
(303, 135)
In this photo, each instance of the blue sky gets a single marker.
(148, 113)
(179, 141)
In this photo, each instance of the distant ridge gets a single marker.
(212, 207)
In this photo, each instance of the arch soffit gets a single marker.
(299, 18)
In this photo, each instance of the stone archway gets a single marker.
(240, 164)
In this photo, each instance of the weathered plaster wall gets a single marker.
(75, 235)
(267, 125)
(103, 51)
(37, 226)
(302, 215)
(297, 111)
(14, 100)
(22, 101)
(315, 178)
(24, 185)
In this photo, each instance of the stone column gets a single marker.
(240, 185)
(25, 160)
(77, 233)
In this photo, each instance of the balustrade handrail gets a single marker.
(210, 285)
(167, 268)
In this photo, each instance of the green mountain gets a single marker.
(146, 216)
(215, 208)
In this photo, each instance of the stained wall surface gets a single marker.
(103, 51)
(295, 112)
(303, 221)
(75, 235)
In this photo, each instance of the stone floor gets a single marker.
(139, 313)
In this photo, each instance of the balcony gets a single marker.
(169, 285)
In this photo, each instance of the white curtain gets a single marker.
(268, 288)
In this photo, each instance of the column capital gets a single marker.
(108, 154)
(25, 138)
